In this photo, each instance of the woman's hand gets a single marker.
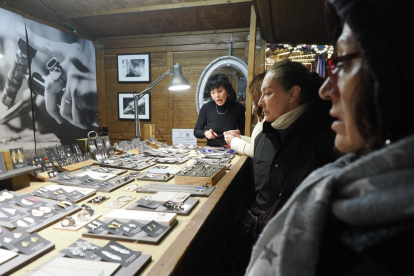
(235, 133)
(228, 137)
(210, 134)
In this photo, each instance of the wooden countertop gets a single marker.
(168, 253)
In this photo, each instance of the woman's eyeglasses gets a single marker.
(332, 64)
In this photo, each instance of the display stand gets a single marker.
(14, 179)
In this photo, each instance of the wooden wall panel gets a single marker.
(177, 110)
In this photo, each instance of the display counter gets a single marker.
(194, 245)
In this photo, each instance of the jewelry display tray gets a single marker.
(22, 260)
(153, 188)
(144, 178)
(149, 164)
(167, 160)
(134, 268)
(99, 188)
(115, 171)
(190, 202)
(202, 180)
(141, 237)
(46, 222)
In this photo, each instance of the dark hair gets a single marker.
(255, 88)
(290, 73)
(219, 80)
(366, 118)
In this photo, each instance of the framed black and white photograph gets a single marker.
(126, 107)
(134, 68)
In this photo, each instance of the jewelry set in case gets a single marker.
(174, 202)
(134, 226)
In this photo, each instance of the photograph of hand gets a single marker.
(60, 69)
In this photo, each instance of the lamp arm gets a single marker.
(137, 97)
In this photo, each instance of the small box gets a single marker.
(149, 131)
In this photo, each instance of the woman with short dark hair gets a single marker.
(221, 114)
(355, 216)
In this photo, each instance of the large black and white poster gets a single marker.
(62, 104)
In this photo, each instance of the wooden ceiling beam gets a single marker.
(264, 15)
(184, 5)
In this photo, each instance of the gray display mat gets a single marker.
(188, 206)
(21, 260)
(161, 187)
(45, 223)
(141, 237)
(135, 268)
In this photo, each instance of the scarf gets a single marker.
(284, 121)
(377, 189)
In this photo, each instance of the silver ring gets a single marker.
(67, 222)
(67, 101)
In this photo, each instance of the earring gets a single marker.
(291, 101)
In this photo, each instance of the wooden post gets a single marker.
(170, 101)
(100, 83)
(250, 73)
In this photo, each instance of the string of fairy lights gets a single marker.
(300, 52)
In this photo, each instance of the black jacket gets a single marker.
(307, 145)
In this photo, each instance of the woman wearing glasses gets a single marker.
(355, 216)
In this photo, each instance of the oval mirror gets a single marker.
(234, 68)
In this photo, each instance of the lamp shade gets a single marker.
(178, 81)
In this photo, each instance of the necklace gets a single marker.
(222, 113)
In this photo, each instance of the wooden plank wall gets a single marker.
(192, 50)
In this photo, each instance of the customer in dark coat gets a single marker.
(355, 216)
(296, 139)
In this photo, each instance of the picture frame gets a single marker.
(134, 68)
(126, 106)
